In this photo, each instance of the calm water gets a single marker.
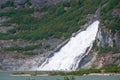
(6, 76)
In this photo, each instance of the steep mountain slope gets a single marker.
(33, 27)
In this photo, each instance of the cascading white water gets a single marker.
(70, 55)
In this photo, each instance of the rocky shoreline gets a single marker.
(47, 74)
(104, 74)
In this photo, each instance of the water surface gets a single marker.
(6, 76)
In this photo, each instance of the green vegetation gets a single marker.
(108, 49)
(110, 21)
(17, 48)
(28, 2)
(23, 50)
(112, 69)
(0, 67)
(53, 22)
(108, 69)
(17, 12)
(31, 53)
(32, 73)
(7, 4)
(18, 57)
(56, 21)
(69, 78)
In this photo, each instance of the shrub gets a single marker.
(69, 78)
(7, 4)
(17, 48)
(60, 10)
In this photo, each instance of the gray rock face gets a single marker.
(13, 60)
(35, 3)
(88, 61)
(107, 59)
(117, 40)
(22, 43)
(3, 19)
(31, 63)
(19, 3)
(107, 39)
(39, 3)
(2, 1)
(104, 38)
(4, 29)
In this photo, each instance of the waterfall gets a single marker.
(70, 55)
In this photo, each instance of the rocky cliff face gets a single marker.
(103, 53)
(19, 60)
(106, 38)
(10, 63)
(110, 43)
(38, 3)
(107, 59)
(34, 3)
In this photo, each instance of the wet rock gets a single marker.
(88, 60)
